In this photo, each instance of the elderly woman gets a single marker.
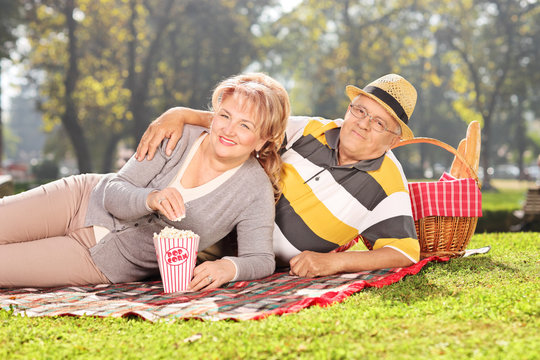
(91, 229)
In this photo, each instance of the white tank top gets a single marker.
(189, 194)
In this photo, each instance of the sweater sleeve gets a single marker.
(125, 194)
(255, 229)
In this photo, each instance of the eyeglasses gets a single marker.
(376, 123)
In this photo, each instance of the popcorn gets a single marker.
(180, 218)
(170, 232)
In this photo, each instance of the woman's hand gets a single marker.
(168, 201)
(212, 274)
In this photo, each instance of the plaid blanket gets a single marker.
(277, 294)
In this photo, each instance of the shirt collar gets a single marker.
(332, 139)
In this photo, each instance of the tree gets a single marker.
(139, 81)
(52, 25)
(323, 46)
(136, 58)
(9, 19)
(461, 56)
(485, 37)
(139, 56)
(326, 45)
(70, 116)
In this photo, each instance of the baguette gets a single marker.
(472, 149)
(457, 166)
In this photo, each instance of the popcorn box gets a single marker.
(176, 252)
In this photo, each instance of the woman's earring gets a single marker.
(257, 154)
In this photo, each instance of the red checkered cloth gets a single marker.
(447, 197)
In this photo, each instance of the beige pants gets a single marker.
(43, 241)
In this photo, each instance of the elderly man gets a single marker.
(340, 179)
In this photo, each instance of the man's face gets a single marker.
(358, 141)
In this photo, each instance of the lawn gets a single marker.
(482, 307)
(509, 195)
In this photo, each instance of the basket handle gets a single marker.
(445, 146)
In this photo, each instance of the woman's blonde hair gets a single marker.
(268, 101)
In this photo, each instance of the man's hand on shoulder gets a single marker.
(170, 125)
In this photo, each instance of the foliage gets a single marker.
(481, 307)
(506, 29)
(9, 20)
(470, 59)
(323, 46)
(9, 141)
(134, 58)
(456, 53)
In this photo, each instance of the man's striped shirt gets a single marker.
(325, 205)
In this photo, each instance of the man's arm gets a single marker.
(170, 125)
(311, 264)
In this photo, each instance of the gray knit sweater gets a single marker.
(244, 201)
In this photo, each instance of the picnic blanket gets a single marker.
(277, 294)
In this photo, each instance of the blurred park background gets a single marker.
(82, 79)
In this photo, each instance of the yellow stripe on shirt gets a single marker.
(312, 211)
(386, 176)
(317, 129)
(409, 246)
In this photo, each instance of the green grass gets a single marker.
(508, 196)
(482, 307)
(507, 200)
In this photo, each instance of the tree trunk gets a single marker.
(108, 156)
(197, 98)
(353, 41)
(520, 139)
(70, 118)
(139, 93)
(1, 125)
(485, 158)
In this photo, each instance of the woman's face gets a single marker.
(235, 132)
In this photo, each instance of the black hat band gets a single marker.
(388, 100)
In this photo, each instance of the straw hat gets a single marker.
(395, 94)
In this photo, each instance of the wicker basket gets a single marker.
(444, 235)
